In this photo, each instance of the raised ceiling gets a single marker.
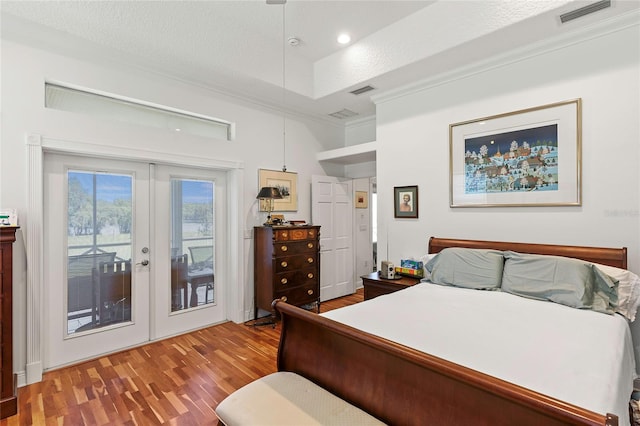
(237, 47)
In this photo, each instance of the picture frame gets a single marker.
(405, 202)
(529, 157)
(287, 183)
(362, 201)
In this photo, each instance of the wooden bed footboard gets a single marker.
(403, 386)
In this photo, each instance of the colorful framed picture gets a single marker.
(530, 157)
(287, 183)
(405, 202)
(361, 199)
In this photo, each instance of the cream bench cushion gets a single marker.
(285, 398)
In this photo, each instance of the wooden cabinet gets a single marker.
(286, 265)
(374, 285)
(8, 399)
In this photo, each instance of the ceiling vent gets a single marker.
(362, 90)
(578, 13)
(344, 113)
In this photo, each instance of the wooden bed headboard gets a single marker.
(616, 257)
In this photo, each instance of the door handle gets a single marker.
(145, 262)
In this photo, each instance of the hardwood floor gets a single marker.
(176, 381)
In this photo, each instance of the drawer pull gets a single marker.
(311, 234)
(284, 234)
(310, 260)
(309, 292)
(309, 275)
(284, 281)
(284, 264)
(310, 245)
(284, 248)
(283, 298)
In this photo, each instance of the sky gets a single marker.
(113, 186)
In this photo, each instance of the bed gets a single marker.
(434, 370)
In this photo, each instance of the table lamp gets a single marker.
(269, 193)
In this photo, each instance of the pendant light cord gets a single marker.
(284, 70)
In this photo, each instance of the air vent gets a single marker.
(362, 90)
(593, 7)
(344, 113)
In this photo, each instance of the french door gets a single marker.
(129, 255)
(188, 235)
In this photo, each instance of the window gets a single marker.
(136, 112)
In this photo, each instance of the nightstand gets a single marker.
(374, 285)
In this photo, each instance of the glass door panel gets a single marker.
(99, 240)
(192, 243)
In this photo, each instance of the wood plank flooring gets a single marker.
(177, 381)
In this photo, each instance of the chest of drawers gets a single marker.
(286, 265)
(8, 398)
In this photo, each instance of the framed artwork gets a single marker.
(361, 200)
(287, 183)
(405, 201)
(530, 157)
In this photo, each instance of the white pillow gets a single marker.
(425, 259)
(628, 289)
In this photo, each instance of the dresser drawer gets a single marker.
(291, 263)
(287, 280)
(295, 234)
(287, 248)
(299, 295)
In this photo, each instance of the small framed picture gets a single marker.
(361, 199)
(405, 202)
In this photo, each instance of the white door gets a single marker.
(119, 265)
(83, 194)
(191, 256)
(332, 209)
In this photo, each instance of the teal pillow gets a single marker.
(464, 267)
(570, 282)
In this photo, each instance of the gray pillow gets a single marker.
(571, 282)
(464, 267)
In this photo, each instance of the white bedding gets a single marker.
(578, 356)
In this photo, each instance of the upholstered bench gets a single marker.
(286, 398)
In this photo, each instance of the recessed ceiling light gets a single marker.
(344, 38)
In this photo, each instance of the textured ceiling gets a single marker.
(237, 46)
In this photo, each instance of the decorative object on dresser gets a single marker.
(375, 285)
(286, 266)
(8, 398)
(268, 194)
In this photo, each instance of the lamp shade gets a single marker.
(269, 192)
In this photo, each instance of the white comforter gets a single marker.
(578, 356)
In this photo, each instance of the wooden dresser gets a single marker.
(286, 265)
(8, 398)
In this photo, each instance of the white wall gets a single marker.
(413, 143)
(360, 131)
(258, 143)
